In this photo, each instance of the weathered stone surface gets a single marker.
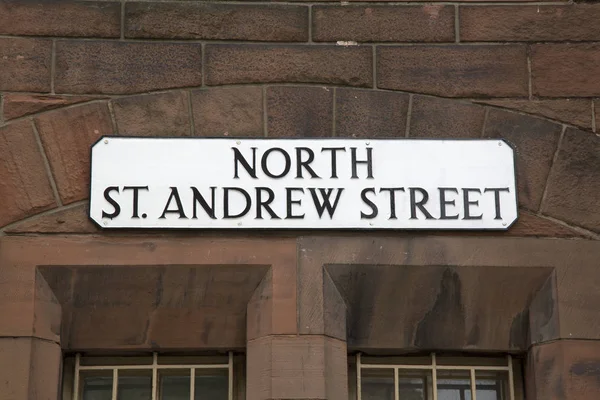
(216, 21)
(565, 69)
(154, 308)
(25, 64)
(234, 63)
(408, 306)
(430, 23)
(299, 111)
(161, 114)
(224, 273)
(89, 330)
(127, 67)
(18, 105)
(427, 1)
(544, 323)
(46, 311)
(573, 193)
(573, 111)
(501, 71)
(17, 300)
(370, 114)
(29, 368)
(60, 18)
(535, 142)
(504, 263)
(212, 304)
(597, 115)
(24, 183)
(228, 111)
(14, 367)
(529, 23)
(301, 367)
(67, 220)
(45, 370)
(442, 118)
(259, 312)
(334, 310)
(529, 224)
(565, 370)
(67, 136)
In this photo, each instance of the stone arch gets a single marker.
(45, 145)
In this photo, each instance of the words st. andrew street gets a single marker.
(452, 202)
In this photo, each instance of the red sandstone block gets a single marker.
(24, 184)
(431, 1)
(566, 69)
(454, 71)
(25, 64)
(67, 136)
(299, 111)
(157, 114)
(444, 118)
(530, 23)
(369, 113)
(534, 140)
(228, 111)
(573, 191)
(17, 104)
(126, 67)
(216, 21)
(60, 18)
(573, 111)
(226, 64)
(430, 23)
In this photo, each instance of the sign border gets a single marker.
(323, 229)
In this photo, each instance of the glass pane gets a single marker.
(211, 384)
(377, 384)
(134, 385)
(491, 385)
(96, 385)
(412, 385)
(174, 385)
(454, 385)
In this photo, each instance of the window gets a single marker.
(436, 378)
(150, 378)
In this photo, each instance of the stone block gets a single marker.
(160, 114)
(299, 111)
(67, 136)
(25, 185)
(235, 63)
(369, 114)
(228, 111)
(448, 70)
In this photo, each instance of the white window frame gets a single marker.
(155, 367)
(434, 367)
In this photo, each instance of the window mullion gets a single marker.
(192, 383)
(76, 379)
(473, 385)
(396, 385)
(154, 376)
(358, 378)
(115, 383)
(434, 376)
(230, 369)
(511, 383)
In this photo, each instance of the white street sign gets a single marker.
(302, 183)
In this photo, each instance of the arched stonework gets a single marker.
(44, 147)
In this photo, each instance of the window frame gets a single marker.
(73, 368)
(434, 367)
